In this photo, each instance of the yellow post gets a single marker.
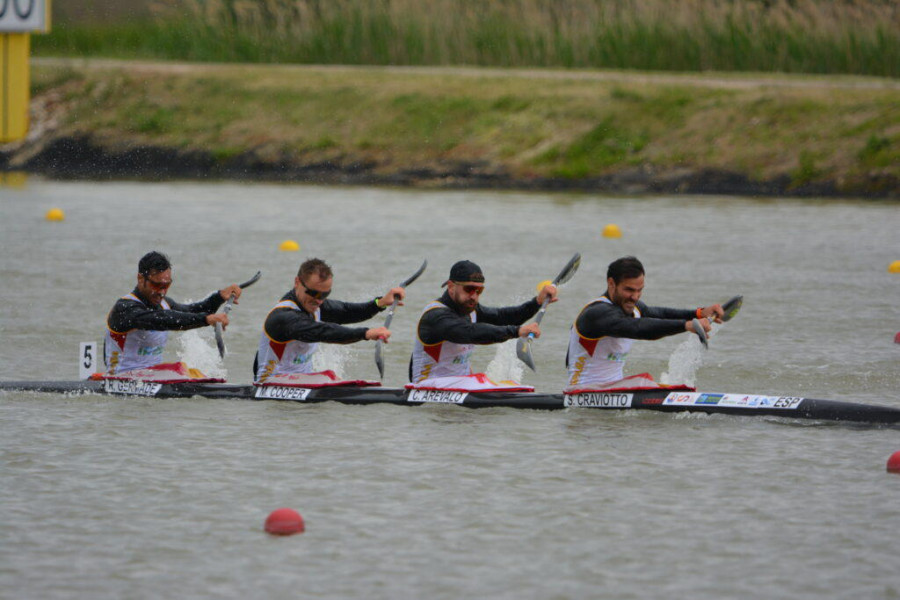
(15, 84)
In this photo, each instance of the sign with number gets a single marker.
(22, 16)
(87, 361)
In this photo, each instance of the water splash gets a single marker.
(684, 363)
(506, 366)
(200, 352)
(333, 357)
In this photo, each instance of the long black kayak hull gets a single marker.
(654, 399)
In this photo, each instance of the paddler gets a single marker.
(304, 317)
(606, 328)
(451, 326)
(138, 324)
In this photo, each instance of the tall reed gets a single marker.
(809, 36)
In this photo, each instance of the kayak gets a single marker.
(658, 399)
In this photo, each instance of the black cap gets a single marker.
(463, 271)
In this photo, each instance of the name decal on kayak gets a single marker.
(131, 387)
(732, 400)
(599, 400)
(439, 396)
(281, 392)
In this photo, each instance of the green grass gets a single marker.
(791, 36)
(534, 126)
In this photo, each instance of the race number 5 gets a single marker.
(87, 359)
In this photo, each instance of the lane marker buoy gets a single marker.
(893, 463)
(612, 231)
(284, 521)
(289, 246)
(894, 267)
(55, 214)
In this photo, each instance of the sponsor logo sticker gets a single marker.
(732, 400)
(599, 400)
(439, 396)
(131, 388)
(281, 392)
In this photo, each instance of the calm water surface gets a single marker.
(112, 498)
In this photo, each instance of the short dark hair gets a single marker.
(153, 262)
(627, 267)
(315, 266)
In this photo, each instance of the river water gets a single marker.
(138, 498)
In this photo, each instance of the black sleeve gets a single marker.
(335, 311)
(285, 324)
(508, 315)
(602, 319)
(129, 314)
(443, 324)
(208, 305)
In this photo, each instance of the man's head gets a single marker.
(313, 284)
(154, 276)
(466, 284)
(625, 282)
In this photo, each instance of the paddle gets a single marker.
(730, 308)
(219, 341)
(379, 360)
(523, 346)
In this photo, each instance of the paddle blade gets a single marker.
(379, 360)
(569, 270)
(415, 275)
(732, 307)
(523, 351)
(701, 333)
(220, 342)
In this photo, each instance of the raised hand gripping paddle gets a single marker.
(219, 341)
(379, 359)
(730, 308)
(523, 346)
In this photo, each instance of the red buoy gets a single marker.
(286, 521)
(893, 464)
(897, 338)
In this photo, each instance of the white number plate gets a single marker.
(440, 396)
(599, 399)
(131, 388)
(282, 392)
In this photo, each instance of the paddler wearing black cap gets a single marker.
(304, 317)
(138, 324)
(451, 326)
(606, 327)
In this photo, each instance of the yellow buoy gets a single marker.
(894, 267)
(612, 231)
(543, 284)
(289, 246)
(55, 214)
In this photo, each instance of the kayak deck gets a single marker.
(662, 399)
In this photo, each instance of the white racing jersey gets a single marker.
(284, 358)
(442, 359)
(135, 349)
(597, 361)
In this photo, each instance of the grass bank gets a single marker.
(793, 36)
(520, 128)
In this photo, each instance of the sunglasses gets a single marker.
(315, 294)
(158, 285)
(471, 289)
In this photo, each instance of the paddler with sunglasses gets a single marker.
(305, 316)
(451, 326)
(138, 324)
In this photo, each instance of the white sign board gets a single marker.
(87, 356)
(22, 16)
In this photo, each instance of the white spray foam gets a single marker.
(505, 365)
(199, 351)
